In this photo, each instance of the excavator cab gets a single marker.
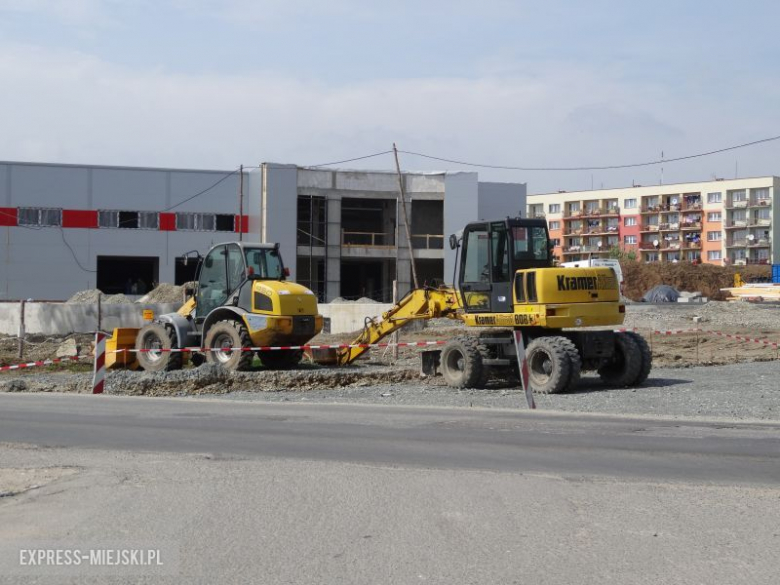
(491, 253)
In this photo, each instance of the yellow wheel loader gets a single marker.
(507, 282)
(242, 300)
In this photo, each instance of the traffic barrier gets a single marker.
(99, 368)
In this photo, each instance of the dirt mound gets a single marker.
(164, 293)
(706, 278)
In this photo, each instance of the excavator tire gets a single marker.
(228, 334)
(625, 367)
(647, 358)
(280, 359)
(157, 336)
(549, 365)
(575, 362)
(461, 363)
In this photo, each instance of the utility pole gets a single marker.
(406, 217)
(241, 203)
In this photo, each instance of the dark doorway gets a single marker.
(367, 278)
(188, 273)
(118, 274)
(430, 271)
(310, 272)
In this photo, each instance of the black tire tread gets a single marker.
(575, 362)
(647, 358)
(561, 372)
(625, 369)
(170, 360)
(245, 359)
(473, 375)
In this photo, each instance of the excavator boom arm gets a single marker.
(423, 303)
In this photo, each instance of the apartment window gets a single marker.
(713, 216)
(629, 221)
(39, 216)
(714, 236)
(200, 222)
(128, 220)
(555, 225)
(761, 194)
(554, 207)
(629, 240)
(714, 255)
(739, 215)
(555, 242)
(740, 195)
(714, 197)
(629, 204)
(574, 206)
(652, 257)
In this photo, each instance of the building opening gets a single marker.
(371, 279)
(430, 272)
(310, 272)
(368, 222)
(185, 273)
(127, 274)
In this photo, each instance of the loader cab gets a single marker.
(491, 253)
(228, 266)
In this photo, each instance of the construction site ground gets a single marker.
(696, 373)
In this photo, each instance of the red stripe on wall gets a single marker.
(242, 224)
(168, 222)
(8, 216)
(79, 218)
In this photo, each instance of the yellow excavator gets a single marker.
(507, 282)
(242, 300)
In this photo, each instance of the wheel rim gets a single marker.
(456, 361)
(223, 344)
(540, 366)
(152, 343)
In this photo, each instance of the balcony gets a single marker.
(761, 203)
(650, 228)
(570, 213)
(738, 223)
(759, 243)
(692, 225)
(368, 239)
(646, 246)
(738, 204)
(736, 243)
(760, 222)
(428, 241)
(691, 207)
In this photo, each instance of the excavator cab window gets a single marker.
(492, 253)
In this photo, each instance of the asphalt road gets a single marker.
(495, 440)
(234, 492)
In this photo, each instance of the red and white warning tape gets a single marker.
(677, 331)
(749, 339)
(285, 347)
(44, 363)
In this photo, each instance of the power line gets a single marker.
(338, 162)
(73, 253)
(593, 168)
(206, 190)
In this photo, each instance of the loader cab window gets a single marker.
(213, 281)
(265, 263)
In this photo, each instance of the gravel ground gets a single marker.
(714, 391)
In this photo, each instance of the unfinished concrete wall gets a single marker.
(280, 209)
(499, 200)
(460, 207)
(350, 317)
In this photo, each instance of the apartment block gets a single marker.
(716, 222)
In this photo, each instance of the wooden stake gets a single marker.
(406, 217)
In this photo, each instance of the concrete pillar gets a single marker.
(405, 283)
(333, 252)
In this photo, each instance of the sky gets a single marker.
(215, 84)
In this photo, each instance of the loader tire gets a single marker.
(626, 365)
(549, 365)
(575, 362)
(461, 363)
(647, 358)
(156, 336)
(280, 359)
(225, 335)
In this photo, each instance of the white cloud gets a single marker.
(73, 107)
